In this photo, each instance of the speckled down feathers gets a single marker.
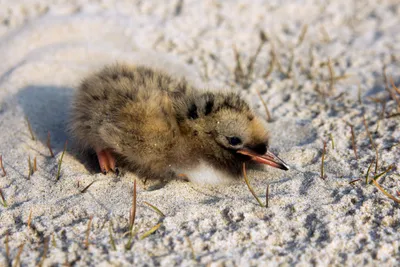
(155, 123)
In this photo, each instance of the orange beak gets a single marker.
(268, 158)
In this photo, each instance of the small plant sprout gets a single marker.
(49, 144)
(2, 166)
(60, 161)
(151, 231)
(112, 241)
(246, 179)
(3, 199)
(30, 129)
(155, 209)
(323, 161)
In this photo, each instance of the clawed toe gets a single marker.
(106, 161)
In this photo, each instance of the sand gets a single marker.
(318, 86)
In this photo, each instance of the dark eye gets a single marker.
(234, 141)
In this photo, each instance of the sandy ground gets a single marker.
(327, 73)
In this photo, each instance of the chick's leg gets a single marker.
(106, 161)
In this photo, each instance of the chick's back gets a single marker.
(128, 109)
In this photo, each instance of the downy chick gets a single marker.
(160, 126)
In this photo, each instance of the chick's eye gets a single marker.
(234, 141)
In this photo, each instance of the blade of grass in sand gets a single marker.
(49, 145)
(2, 166)
(60, 161)
(267, 196)
(29, 219)
(191, 247)
(155, 209)
(246, 179)
(323, 161)
(112, 242)
(376, 177)
(133, 209)
(45, 250)
(88, 232)
(151, 231)
(385, 192)
(4, 202)
(369, 169)
(30, 129)
(18, 256)
(87, 187)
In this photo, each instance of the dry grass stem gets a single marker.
(267, 196)
(376, 159)
(385, 192)
(391, 93)
(155, 209)
(354, 181)
(394, 86)
(353, 141)
(45, 250)
(368, 171)
(29, 219)
(30, 170)
(271, 65)
(151, 231)
(302, 35)
(265, 106)
(49, 145)
(7, 245)
(323, 161)
(368, 132)
(377, 176)
(34, 165)
(112, 241)
(30, 129)
(331, 76)
(87, 243)
(2, 166)
(4, 202)
(87, 187)
(53, 240)
(60, 161)
(246, 179)
(191, 247)
(133, 209)
(18, 257)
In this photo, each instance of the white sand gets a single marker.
(46, 48)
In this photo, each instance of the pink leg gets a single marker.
(106, 161)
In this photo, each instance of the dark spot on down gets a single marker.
(192, 112)
(209, 106)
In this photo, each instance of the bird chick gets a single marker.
(160, 126)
